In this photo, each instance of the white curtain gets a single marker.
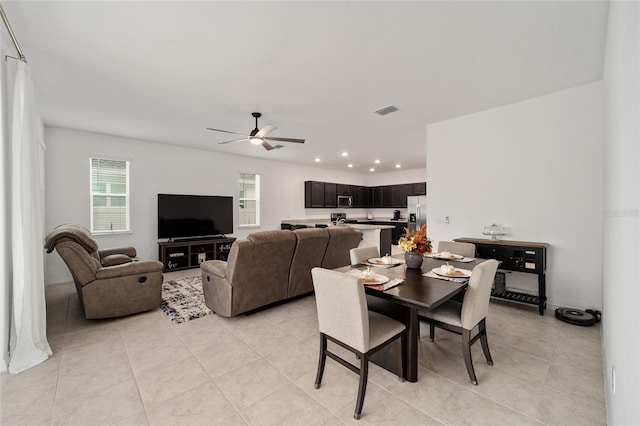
(28, 342)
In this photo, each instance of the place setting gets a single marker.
(449, 273)
(445, 255)
(375, 281)
(383, 262)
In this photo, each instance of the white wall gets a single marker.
(621, 289)
(534, 167)
(157, 168)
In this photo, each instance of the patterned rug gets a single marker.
(183, 300)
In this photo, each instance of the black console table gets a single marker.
(519, 256)
(185, 254)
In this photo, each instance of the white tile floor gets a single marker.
(260, 369)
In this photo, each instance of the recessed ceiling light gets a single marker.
(398, 166)
(350, 165)
(377, 161)
(317, 160)
(372, 169)
(345, 154)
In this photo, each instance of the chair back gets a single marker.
(342, 307)
(360, 254)
(476, 299)
(463, 249)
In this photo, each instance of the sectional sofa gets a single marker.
(272, 266)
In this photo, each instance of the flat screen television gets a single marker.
(184, 216)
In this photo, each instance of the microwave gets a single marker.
(345, 201)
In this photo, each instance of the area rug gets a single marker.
(183, 300)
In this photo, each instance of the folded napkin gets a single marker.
(432, 274)
(382, 287)
(386, 286)
(465, 259)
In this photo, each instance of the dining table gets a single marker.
(417, 292)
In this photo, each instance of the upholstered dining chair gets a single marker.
(359, 255)
(462, 318)
(344, 319)
(463, 249)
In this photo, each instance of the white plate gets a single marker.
(380, 261)
(375, 279)
(451, 256)
(457, 273)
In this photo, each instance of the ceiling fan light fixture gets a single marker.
(255, 141)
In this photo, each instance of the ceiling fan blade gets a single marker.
(226, 131)
(286, 140)
(266, 145)
(265, 131)
(235, 140)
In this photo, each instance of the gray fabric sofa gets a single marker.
(109, 282)
(271, 266)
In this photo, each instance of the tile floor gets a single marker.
(260, 369)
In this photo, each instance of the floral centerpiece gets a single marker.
(415, 245)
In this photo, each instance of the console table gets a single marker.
(519, 256)
(185, 254)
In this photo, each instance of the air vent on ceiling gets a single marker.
(386, 110)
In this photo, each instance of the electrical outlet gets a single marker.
(443, 219)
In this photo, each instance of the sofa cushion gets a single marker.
(310, 248)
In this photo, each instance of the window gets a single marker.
(109, 196)
(249, 199)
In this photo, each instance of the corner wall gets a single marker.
(534, 167)
(621, 285)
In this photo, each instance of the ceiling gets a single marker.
(165, 71)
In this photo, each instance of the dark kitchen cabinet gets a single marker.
(313, 194)
(330, 195)
(324, 194)
(343, 189)
(419, 188)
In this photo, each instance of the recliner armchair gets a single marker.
(110, 283)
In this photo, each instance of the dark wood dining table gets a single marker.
(403, 302)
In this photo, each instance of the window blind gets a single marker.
(109, 195)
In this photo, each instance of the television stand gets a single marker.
(191, 252)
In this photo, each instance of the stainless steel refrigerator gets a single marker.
(416, 212)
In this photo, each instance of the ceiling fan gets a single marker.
(259, 136)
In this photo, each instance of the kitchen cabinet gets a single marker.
(324, 194)
(342, 189)
(330, 195)
(313, 194)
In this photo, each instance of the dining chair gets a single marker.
(463, 249)
(344, 319)
(359, 255)
(461, 318)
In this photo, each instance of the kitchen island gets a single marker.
(372, 235)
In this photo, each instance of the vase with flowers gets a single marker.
(414, 245)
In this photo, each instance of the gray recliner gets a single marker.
(110, 283)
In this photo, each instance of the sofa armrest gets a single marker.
(128, 251)
(215, 267)
(132, 268)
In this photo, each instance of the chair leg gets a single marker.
(432, 332)
(466, 352)
(482, 328)
(364, 372)
(321, 360)
(403, 352)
